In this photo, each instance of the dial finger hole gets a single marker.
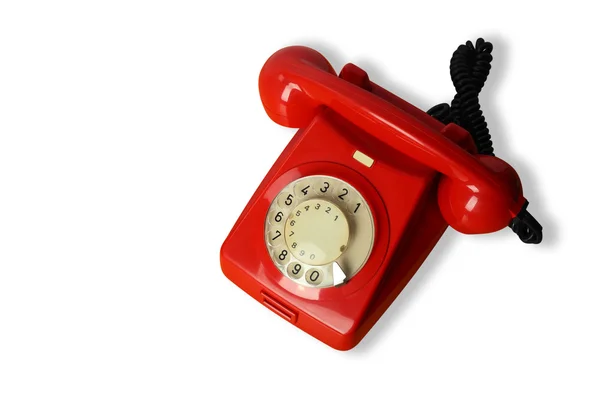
(355, 206)
(286, 200)
(281, 255)
(303, 188)
(324, 187)
(342, 193)
(314, 276)
(295, 270)
(275, 237)
(276, 217)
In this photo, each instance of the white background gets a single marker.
(132, 135)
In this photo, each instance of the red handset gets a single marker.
(478, 194)
(363, 192)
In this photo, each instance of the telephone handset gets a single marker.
(328, 240)
(308, 82)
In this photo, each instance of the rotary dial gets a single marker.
(319, 231)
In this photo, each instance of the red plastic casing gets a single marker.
(402, 191)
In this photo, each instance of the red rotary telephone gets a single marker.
(364, 190)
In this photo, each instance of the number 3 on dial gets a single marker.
(323, 186)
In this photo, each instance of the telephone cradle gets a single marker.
(363, 192)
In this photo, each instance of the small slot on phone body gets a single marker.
(278, 308)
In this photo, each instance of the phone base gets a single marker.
(403, 197)
(404, 263)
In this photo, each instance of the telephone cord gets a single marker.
(469, 68)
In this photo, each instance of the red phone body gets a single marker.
(403, 192)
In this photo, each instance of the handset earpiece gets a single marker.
(468, 209)
(477, 194)
(284, 100)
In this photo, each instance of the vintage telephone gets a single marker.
(364, 190)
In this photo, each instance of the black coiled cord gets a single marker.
(469, 68)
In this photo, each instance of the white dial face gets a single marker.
(319, 231)
(316, 232)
